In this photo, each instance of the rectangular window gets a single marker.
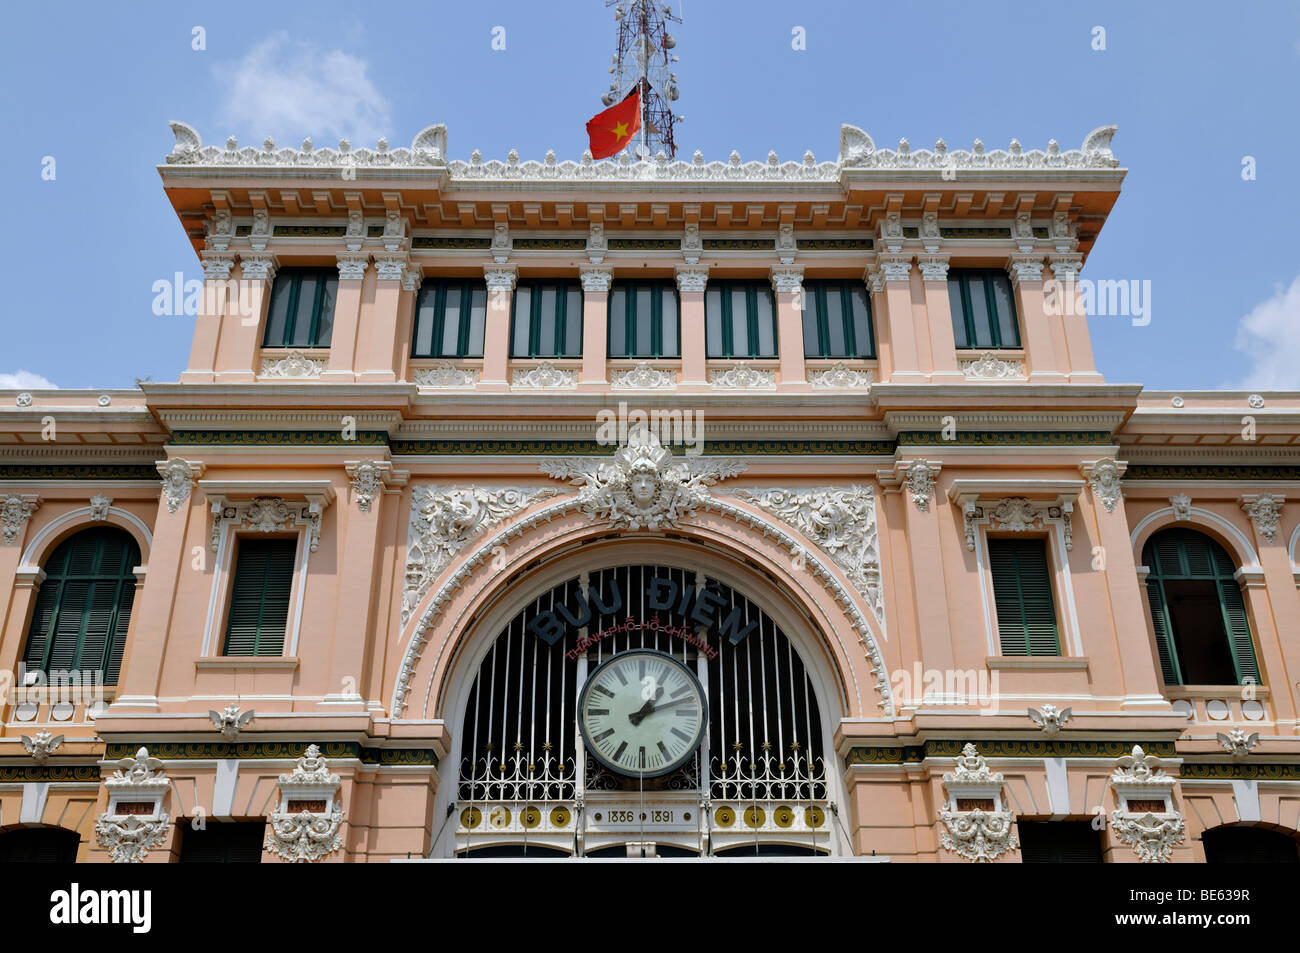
(302, 308)
(739, 319)
(837, 320)
(643, 319)
(449, 318)
(983, 309)
(259, 599)
(1022, 594)
(547, 319)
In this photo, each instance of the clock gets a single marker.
(642, 713)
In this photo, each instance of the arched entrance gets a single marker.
(527, 782)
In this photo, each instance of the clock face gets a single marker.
(642, 713)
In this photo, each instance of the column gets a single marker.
(168, 558)
(691, 281)
(596, 280)
(787, 285)
(1044, 361)
(347, 317)
(16, 511)
(412, 277)
(938, 317)
(244, 318)
(1128, 608)
(207, 325)
(892, 276)
(1078, 362)
(925, 551)
(378, 366)
(360, 555)
(496, 335)
(1278, 603)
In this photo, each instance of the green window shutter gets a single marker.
(1239, 640)
(1160, 622)
(83, 608)
(1022, 592)
(259, 598)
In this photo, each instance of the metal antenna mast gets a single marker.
(644, 58)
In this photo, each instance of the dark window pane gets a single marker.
(451, 322)
(301, 334)
(546, 323)
(958, 310)
(863, 342)
(811, 315)
(523, 320)
(278, 316)
(644, 322)
(618, 323)
(836, 345)
(740, 343)
(573, 322)
(713, 322)
(477, 317)
(1008, 332)
(979, 307)
(325, 324)
(424, 314)
(765, 346)
(669, 322)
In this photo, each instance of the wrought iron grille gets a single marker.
(522, 748)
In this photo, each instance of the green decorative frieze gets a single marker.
(592, 448)
(836, 244)
(275, 438)
(991, 232)
(91, 471)
(1239, 771)
(18, 773)
(543, 244)
(1146, 471)
(265, 750)
(438, 241)
(646, 244)
(312, 231)
(739, 244)
(1007, 748)
(1007, 438)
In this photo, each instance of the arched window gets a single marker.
(529, 778)
(1200, 618)
(1249, 845)
(83, 607)
(38, 845)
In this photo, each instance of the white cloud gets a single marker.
(25, 380)
(290, 88)
(1270, 336)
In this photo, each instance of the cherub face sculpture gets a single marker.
(643, 485)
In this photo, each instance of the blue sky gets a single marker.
(1193, 87)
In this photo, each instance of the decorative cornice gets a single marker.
(1014, 514)
(857, 153)
(880, 448)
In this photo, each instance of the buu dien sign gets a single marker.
(699, 605)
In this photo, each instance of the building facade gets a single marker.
(646, 509)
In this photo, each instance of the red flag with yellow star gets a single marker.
(613, 129)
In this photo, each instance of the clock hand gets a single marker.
(640, 714)
(679, 701)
